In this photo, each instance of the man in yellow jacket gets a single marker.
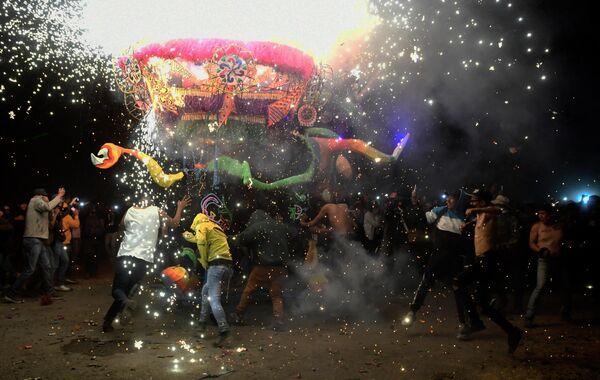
(215, 257)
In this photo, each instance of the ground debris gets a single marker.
(208, 375)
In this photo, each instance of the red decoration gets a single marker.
(307, 115)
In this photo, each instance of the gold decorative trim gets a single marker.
(190, 116)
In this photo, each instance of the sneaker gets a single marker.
(236, 319)
(69, 281)
(62, 288)
(12, 299)
(408, 319)
(528, 322)
(513, 339)
(466, 331)
(202, 327)
(222, 339)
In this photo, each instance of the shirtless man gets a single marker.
(342, 226)
(339, 218)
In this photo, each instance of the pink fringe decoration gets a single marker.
(285, 58)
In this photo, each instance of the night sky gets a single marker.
(49, 145)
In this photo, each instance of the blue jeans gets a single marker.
(130, 271)
(546, 268)
(211, 295)
(35, 252)
(60, 262)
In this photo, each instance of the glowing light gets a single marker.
(115, 25)
(138, 344)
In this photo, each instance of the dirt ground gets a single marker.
(64, 341)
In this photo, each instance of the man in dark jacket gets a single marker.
(93, 230)
(268, 240)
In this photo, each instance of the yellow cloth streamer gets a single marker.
(157, 173)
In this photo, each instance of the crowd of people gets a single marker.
(46, 243)
(479, 244)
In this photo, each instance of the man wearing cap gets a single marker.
(34, 249)
(486, 264)
(446, 261)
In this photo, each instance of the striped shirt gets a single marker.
(450, 220)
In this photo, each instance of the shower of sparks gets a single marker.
(429, 43)
(44, 37)
(480, 61)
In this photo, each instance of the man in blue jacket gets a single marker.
(446, 262)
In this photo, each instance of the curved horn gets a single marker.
(107, 156)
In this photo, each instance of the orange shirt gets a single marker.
(69, 222)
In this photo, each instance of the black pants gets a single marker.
(92, 250)
(124, 283)
(480, 273)
(445, 263)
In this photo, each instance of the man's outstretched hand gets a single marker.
(184, 202)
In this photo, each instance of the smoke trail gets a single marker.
(356, 286)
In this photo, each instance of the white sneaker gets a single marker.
(62, 288)
(408, 319)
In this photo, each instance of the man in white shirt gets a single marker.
(141, 225)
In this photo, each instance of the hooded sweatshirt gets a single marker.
(210, 239)
(267, 238)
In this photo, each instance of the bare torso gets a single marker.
(339, 217)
